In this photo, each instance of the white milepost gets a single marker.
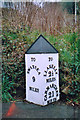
(42, 73)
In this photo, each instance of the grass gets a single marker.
(14, 45)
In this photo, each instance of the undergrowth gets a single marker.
(14, 45)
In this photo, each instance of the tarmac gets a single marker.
(26, 110)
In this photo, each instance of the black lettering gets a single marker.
(45, 92)
(49, 94)
(45, 99)
(57, 93)
(39, 73)
(37, 69)
(49, 101)
(30, 67)
(53, 79)
(28, 72)
(50, 59)
(53, 67)
(33, 78)
(47, 88)
(45, 71)
(55, 87)
(45, 96)
(33, 59)
(52, 73)
(29, 88)
(49, 74)
(52, 86)
(50, 66)
(47, 80)
(33, 66)
(52, 93)
(50, 80)
(47, 68)
(44, 75)
(33, 89)
(36, 90)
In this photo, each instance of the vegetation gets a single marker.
(16, 39)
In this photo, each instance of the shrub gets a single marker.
(15, 43)
(7, 88)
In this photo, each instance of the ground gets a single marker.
(29, 110)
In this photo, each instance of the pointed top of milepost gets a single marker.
(41, 45)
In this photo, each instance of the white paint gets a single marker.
(75, 12)
(42, 62)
